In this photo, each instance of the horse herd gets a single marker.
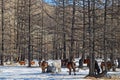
(101, 67)
(55, 66)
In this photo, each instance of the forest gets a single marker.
(59, 29)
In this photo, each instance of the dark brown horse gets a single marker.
(71, 66)
(43, 66)
(97, 68)
(87, 61)
(64, 62)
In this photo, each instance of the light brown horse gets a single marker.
(32, 62)
(22, 62)
(108, 65)
(43, 66)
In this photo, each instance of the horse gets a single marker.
(32, 62)
(39, 62)
(56, 64)
(22, 62)
(51, 66)
(43, 66)
(96, 67)
(109, 65)
(87, 61)
(80, 63)
(50, 69)
(64, 62)
(71, 65)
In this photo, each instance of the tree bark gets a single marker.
(118, 62)
(29, 42)
(2, 24)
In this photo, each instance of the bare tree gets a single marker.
(29, 38)
(2, 24)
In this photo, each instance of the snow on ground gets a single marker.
(18, 72)
(34, 73)
(15, 71)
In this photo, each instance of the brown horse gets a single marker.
(87, 61)
(96, 68)
(32, 62)
(43, 65)
(108, 65)
(64, 62)
(22, 62)
(70, 66)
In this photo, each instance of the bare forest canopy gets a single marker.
(67, 28)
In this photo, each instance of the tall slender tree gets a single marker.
(2, 24)
(29, 37)
(72, 31)
(84, 35)
(91, 7)
(104, 34)
(63, 28)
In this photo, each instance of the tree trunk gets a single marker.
(118, 62)
(91, 37)
(2, 24)
(64, 35)
(29, 42)
(72, 32)
(104, 35)
(84, 34)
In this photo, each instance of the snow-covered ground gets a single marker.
(34, 73)
(18, 72)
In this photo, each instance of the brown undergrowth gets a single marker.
(102, 76)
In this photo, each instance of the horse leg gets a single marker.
(97, 70)
(102, 68)
(43, 70)
(59, 69)
(74, 71)
(108, 67)
(55, 70)
(69, 71)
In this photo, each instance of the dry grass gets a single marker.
(90, 78)
(113, 77)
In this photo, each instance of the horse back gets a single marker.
(44, 64)
(71, 65)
